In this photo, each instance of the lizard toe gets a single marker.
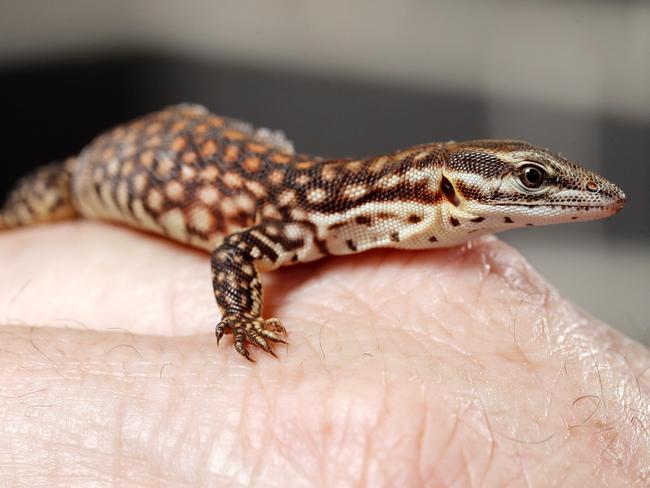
(255, 331)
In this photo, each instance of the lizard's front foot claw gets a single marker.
(252, 329)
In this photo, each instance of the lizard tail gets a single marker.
(42, 196)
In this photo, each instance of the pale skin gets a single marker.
(458, 367)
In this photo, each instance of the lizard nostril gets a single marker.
(592, 186)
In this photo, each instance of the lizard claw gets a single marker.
(219, 331)
(256, 331)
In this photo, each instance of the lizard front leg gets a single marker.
(237, 287)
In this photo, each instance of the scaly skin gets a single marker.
(244, 195)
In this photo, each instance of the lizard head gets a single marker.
(516, 183)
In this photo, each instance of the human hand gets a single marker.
(450, 367)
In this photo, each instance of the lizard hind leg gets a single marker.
(42, 196)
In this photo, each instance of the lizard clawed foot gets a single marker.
(251, 329)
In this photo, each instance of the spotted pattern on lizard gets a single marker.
(244, 195)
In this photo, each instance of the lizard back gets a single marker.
(183, 173)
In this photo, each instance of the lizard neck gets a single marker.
(393, 200)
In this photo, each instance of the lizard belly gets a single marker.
(190, 212)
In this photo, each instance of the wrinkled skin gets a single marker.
(457, 367)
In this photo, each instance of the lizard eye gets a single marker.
(532, 176)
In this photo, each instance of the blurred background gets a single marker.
(359, 78)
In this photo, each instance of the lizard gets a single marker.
(245, 196)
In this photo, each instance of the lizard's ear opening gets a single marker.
(449, 192)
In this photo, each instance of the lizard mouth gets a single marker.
(586, 206)
(613, 203)
(567, 211)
